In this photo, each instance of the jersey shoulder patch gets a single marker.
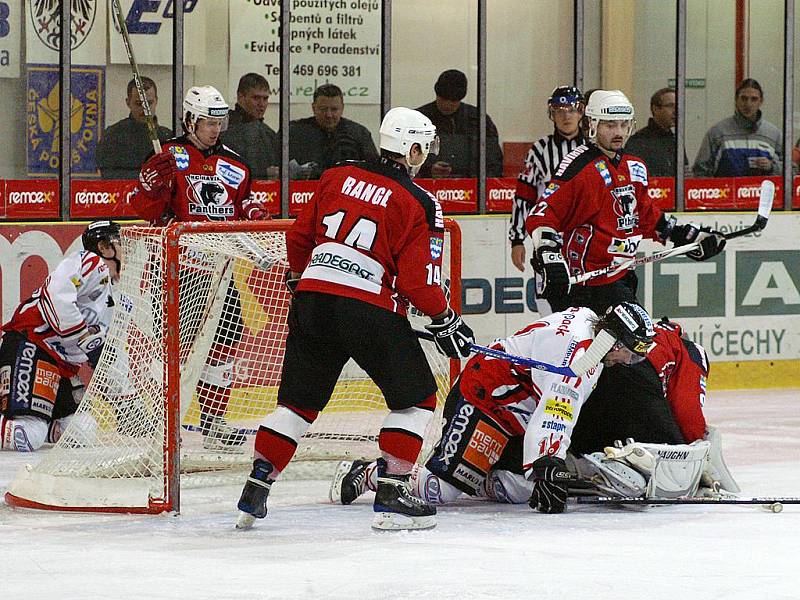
(574, 162)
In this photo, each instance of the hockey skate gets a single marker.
(218, 435)
(396, 507)
(349, 481)
(253, 502)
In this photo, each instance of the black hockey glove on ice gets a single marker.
(550, 480)
(452, 336)
(711, 242)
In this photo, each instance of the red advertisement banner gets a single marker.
(93, 198)
(32, 199)
(97, 199)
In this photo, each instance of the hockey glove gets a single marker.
(91, 343)
(711, 242)
(553, 281)
(158, 171)
(292, 279)
(254, 210)
(550, 480)
(452, 336)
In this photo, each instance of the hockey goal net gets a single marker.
(197, 338)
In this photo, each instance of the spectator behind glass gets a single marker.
(247, 134)
(321, 141)
(744, 144)
(124, 146)
(457, 126)
(656, 142)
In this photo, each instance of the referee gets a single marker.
(565, 108)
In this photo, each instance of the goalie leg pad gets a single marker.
(677, 469)
(611, 476)
(716, 471)
(23, 434)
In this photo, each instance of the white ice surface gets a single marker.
(307, 548)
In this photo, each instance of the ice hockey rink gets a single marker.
(308, 548)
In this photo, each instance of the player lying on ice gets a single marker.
(508, 428)
(51, 334)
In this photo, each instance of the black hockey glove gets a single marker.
(550, 480)
(711, 242)
(291, 279)
(553, 281)
(452, 336)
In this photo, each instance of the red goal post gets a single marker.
(173, 320)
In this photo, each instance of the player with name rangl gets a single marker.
(62, 326)
(369, 243)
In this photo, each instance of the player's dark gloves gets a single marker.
(451, 335)
(553, 281)
(711, 242)
(550, 479)
(158, 171)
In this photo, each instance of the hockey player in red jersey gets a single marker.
(508, 427)
(197, 178)
(369, 243)
(595, 212)
(51, 334)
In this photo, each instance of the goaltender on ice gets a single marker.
(369, 242)
(51, 334)
(197, 178)
(508, 429)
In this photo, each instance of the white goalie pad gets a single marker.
(646, 470)
(716, 473)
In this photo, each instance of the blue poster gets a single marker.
(44, 126)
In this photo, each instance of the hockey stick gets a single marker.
(122, 28)
(593, 355)
(766, 196)
(773, 503)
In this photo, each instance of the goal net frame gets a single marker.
(48, 489)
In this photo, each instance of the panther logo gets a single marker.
(207, 196)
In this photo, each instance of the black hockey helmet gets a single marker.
(98, 231)
(630, 324)
(566, 96)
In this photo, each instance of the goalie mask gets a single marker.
(402, 128)
(608, 105)
(632, 328)
(204, 102)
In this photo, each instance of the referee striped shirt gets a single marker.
(540, 164)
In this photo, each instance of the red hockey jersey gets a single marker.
(371, 234)
(602, 208)
(683, 369)
(210, 185)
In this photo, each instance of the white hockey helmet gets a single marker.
(204, 102)
(401, 128)
(608, 105)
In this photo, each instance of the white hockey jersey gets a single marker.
(542, 406)
(74, 297)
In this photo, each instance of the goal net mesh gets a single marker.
(231, 305)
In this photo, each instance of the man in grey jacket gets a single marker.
(745, 144)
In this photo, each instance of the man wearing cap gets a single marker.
(457, 125)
